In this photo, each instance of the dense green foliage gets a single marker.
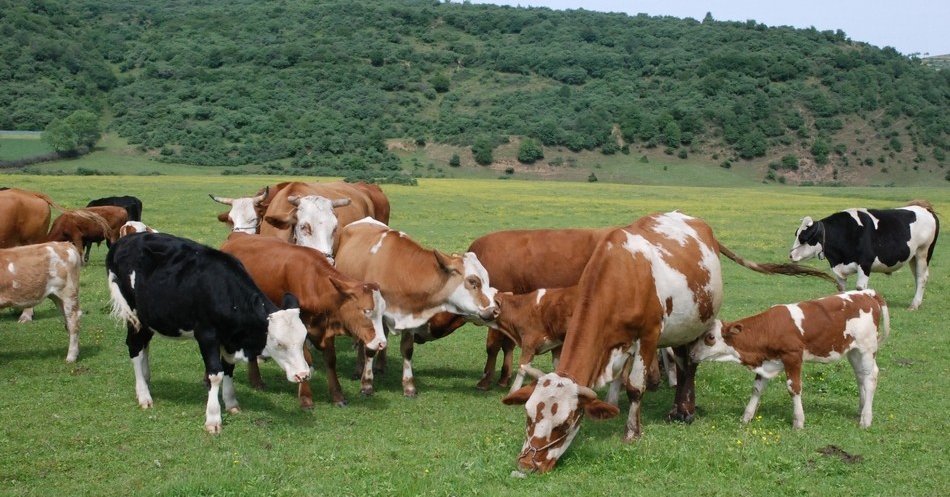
(322, 84)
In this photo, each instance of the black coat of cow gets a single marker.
(862, 241)
(179, 288)
(131, 205)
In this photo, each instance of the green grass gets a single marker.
(75, 429)
(16, 146)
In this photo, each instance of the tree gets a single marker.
(529, 151)
(79, 129)
(440, 82)
(455, 161)
(482, 149)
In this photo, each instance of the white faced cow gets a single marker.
(178, 288)
(784, 336)
(866, 241)
(31, 273)
(655, 283)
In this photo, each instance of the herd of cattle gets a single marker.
(308, 262)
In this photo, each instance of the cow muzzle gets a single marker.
(489, 313)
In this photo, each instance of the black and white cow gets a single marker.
(178, 288)
(863, 241)
(132, 205)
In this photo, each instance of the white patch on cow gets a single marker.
(285, 338)
(673, 225)
(461, 301)
(379, 310)
(770, 368)
(719, 351)
(11, 268)
(121, 311)
(613, 367)
(541, 293)
(797, 315)
(552, 390)
(375, 248)
(243, 215)
(369, 220)
(316, 223)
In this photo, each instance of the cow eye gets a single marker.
(306, 229)
(474, 282)
(709, 339)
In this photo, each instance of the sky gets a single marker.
(920, 27)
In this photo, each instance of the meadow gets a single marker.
(76, 429)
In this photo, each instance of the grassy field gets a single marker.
(75, 429)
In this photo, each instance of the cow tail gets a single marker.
(929, 207)
(99, 220)
(46, 198)
(773, 268)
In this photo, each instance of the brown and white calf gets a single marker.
(31, 273)
(784, 336)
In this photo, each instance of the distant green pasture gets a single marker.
(15, 146)
(76, 429)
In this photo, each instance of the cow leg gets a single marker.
(758, 387)
(684, 403)
(304, 394)
(918, 266)
(366, 379)
(213, 409)
(378, 363)
(508, 359)
(669, 366)
(863, 277)
(70, 314)
(794, 373)
(138, 342)
(613, 393)
(408, 381)
(527, 355)
(493, 343)
(333, 382)
(254, 374)
(86, 249)
(228, 394)
(636, 386)
(26, 316)
(865, 373)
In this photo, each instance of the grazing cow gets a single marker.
(83, 227)
(178, 288)
(24, 217)
(131, 227)
(782, 337)
(655, 283)
(132, 205)
(31, 273)
(310, 214)
(246, 213)
(331, 303)
(416, 283)
(866, 241)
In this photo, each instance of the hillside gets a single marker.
(370, 88)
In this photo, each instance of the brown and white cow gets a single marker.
(132, 227)
(24, 217)
(310, 214)
(416, 284)
(83, 227)
(782, 337)
(32, 273)
(246, 213)
(655, 283)
(331, 303)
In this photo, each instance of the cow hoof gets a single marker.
(367, 392)
(214, 428)
(412, 394)
(260, 387)
(234, 410)
(341, 403)
(146, 405)
(679, 417)
(483, 386)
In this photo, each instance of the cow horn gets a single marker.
(586, 392)
(223, 200)
(532, 371)
(260, 198)
(340, 202)
(294, 199)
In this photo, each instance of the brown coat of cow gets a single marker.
(32, 273)
(83, 227)
(331, 303)
(24, 217)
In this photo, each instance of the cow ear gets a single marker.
(807, 222)
(598, 409)
(443, 262)
(519, 396)
(294, 200)
(734, 330)
(223, 217)
(279, 223)
(341, 287)
(290, 301)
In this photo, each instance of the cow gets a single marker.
(246, 213)
(83, 227)
(415, 282)
(310, 214)
(131, 227)
(178, 288)
(132, 205)
(32, 273)
(865, 241)
(655, 283)
(782, 337)
(331, 303)
(24, 217)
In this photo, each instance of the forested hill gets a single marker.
(328, 84)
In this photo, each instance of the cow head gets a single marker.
(245, 214)
(313, 222)
(555, 405)
(285, 338)
(362, 313)
(473, 296)
(132, 227)
(808, 241)
(716, 344)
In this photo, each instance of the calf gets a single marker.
(83, 227)
(132, 205)
(331, 303)
(866, 241)
(30, 274)
(782, 337)
(178, 288)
